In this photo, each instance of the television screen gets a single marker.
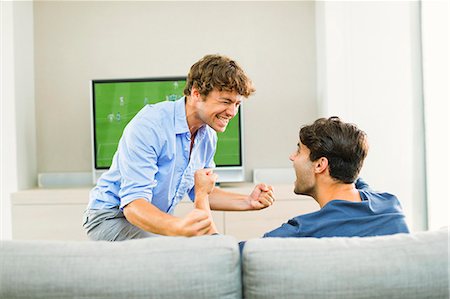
(116, 102)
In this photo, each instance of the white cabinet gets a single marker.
(56, 214)
(49, 214)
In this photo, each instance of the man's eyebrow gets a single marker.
(230, 99)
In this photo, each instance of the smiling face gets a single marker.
(218, 108)
(304, 170)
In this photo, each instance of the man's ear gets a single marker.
(195, 94)
(321, 165)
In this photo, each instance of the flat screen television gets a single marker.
(115, 102)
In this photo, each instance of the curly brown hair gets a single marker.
(219, 72)
(343, 144)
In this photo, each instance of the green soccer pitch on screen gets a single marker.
(116, 102)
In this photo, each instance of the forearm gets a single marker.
(202, 202)
(147, 217)
(228, 201)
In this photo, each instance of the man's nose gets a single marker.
(232, 110)
(291, 157)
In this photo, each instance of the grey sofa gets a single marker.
(399, 266)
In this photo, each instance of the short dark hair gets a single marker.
(220, 72)
(343, 144)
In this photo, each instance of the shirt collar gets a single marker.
(181, 125)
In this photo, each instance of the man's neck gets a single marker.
(193, 122)
(333, 190)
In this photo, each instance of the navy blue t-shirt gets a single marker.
(377, 214)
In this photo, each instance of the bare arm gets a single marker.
(199, 221)
(146, 216)
(261, 197)
(228, 201)
(204, 184)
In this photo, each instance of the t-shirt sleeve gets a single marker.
(138, 162)
(286, 230)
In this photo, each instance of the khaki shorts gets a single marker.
(111, 225)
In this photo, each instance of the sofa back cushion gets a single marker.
(398, 266)
(162, 267)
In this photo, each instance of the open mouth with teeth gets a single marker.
(223, 120)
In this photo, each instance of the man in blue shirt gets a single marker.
(161, 150)
(327, 163)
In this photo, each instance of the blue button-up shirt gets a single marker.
(153, 160)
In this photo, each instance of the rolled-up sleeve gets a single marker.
(138, 162)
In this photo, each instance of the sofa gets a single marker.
(398, 266)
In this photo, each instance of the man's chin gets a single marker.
(300, 192)
(218, 129)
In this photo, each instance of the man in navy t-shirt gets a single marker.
(327, 163)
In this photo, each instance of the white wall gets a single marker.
(18, 141)
(369, 73)
(435, 34)
(80, 41)
(8, 116)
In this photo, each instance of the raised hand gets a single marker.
(261, 197)
(205, 180)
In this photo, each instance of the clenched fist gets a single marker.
(205, 180)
